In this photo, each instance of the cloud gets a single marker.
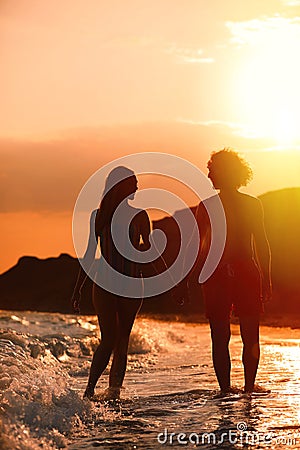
(291, 2)
(193, 60)
(188, 55)
(237, 129)
(262, 31)
(133, 41)
(48, 175)
(183, 55)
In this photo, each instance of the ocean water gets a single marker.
(169, 395)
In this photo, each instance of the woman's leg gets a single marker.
(220, 335)
(251, 351)
(105, 306)
(127, 311)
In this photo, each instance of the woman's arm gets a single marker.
(88, 260)
(144, 231)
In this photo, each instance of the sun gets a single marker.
(267, 83)
(285, 126)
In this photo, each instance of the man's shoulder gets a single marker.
(250, 200)
(249, 197)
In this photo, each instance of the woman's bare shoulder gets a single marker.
(139, 215)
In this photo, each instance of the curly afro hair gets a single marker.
(232, 166)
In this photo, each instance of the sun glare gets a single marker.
(267, 83)
(285, 129)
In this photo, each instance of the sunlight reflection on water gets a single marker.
(170, 384)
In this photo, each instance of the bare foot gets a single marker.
(230, 390)
(257, 389)
(111, 393)
(235, 390)
(89, 393)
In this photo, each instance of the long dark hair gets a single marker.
(112, 196)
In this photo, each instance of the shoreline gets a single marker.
(267, 320)
(288, 320)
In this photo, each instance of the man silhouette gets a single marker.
(241, 281)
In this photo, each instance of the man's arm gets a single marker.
(202, 226)
(262, 250)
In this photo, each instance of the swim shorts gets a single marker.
(236, 287)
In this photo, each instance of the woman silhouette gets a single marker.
(116, 314)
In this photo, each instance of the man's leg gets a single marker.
(220, 335)
(250, 335)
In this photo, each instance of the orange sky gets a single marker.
(85, 82)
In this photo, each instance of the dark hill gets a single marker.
(39, 284)
(282, 220)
